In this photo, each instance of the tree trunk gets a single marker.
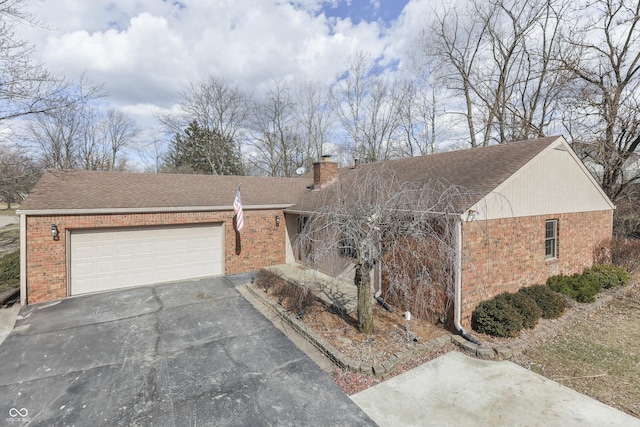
(365, 306)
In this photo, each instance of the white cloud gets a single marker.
(146, 51)
(143, 63)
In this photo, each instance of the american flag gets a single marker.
(237, 207)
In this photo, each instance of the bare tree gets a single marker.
(536, 105)
(368, 218)
(602, 112)
(119, 131)
(79, 136)
(278, 144)
(27, 88)
(93, 153)
(57, 135)
(420, 115)
(456, 40)
(152, 153)
(314, 118)
(500, 57)
(18, 173)
(364, 103)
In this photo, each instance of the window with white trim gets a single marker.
(551, 238)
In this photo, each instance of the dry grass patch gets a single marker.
(9, 239)
(598, 356)
(5, 211)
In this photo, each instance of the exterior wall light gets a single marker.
(277, 220)
(54, 232)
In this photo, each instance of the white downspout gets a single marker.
(23, 260)
(457, 299)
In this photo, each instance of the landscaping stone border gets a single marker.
(545, 329)
(339, 359)
(510, 348)
(8, 295)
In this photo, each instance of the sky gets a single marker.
(146, 51)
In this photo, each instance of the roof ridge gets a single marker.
(546, 140)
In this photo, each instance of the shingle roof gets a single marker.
(64, 190)
(478, 170)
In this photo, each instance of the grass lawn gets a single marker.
(6, 287)
(599, 356)
(9, 255)
(8, 212)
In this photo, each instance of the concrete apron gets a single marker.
(8, 320)
(8, 220)
(458, 390)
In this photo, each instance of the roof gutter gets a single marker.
(98, 211)
(315, 212)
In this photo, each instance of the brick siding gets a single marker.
(507, 254)
(324, 172)
(262, 243)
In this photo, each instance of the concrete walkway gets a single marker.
(8, 220)
(8, 320)
(330, 290)
(458, 390)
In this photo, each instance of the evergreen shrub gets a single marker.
(10, 269)
(579, 287)
(609, 275)
(526, 306)
(551, 303)
(497, 317)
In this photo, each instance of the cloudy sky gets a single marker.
(144, 51)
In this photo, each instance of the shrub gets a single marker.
(580, 287)
(562, 284)
(608, 275)
(550, 302)
(526, 306)
(293, 296)
(10, 269)
(298, 297)
(625, 253)
(496, 317)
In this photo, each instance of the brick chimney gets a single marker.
(324, 172)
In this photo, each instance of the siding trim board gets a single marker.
(102, 211)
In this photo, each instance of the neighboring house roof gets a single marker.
(63, 190)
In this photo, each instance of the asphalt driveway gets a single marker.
(180, 354)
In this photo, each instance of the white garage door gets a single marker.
(133, 256)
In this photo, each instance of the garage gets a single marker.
(113, 258)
